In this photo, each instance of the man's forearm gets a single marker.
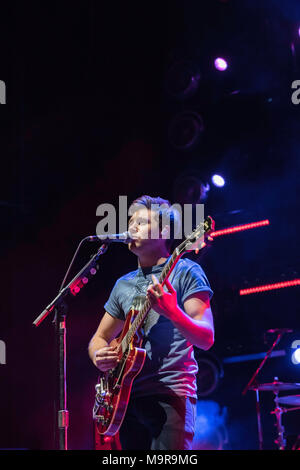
(197, 332)
(96, 343)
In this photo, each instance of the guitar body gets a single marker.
(114, 387)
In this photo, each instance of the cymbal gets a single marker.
(290, 400)
(275, 386)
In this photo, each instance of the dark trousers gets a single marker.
(158, 422)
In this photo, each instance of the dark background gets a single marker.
(93, 89)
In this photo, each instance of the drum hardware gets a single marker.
(280, 441)
(290, 400)
(275, 387)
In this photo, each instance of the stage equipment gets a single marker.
(290, 399)
(218, 181)
(252, 357)
(239, 228)
(190, 189)
(59, 308)
(182, 79)
(220, 64)
(296, 356)
(275, 387)
(277, 285)
(185, 130)
(124, 237)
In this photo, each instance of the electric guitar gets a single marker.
(114, 386)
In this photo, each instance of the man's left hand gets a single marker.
(164, 303)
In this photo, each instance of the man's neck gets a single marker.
(152, 259)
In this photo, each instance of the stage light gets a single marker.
(218, 181)
(296, 354)
(221, 64)
(266, 287)
(239, 228)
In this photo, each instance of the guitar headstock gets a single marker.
(197, 239)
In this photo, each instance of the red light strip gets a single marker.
(277, 285)
(239, 228)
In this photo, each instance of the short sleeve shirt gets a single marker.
(170, 365)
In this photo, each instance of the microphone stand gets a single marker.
(260, 437)
(59, 308)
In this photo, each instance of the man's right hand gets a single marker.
(106, 358)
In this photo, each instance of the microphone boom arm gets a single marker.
(280, 333)
(74, 286)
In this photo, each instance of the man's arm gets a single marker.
(195, 322)
(103, 356)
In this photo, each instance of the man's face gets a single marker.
(144, 228)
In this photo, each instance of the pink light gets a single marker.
(277, 285)
(239, 228)
(221, 64)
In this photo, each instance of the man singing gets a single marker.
(162, 407)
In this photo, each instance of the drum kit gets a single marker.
(292, 400)
(276, 387)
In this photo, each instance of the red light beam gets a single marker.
(239, 228)
(277, 285)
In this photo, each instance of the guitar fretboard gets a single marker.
(136, 324)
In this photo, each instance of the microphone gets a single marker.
(124, 237)
(280, 330)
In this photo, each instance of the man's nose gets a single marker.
(133, 227)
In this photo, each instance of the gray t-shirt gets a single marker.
(170, 366)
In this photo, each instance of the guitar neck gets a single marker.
(168, 268)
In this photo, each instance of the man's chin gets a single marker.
(135, 246)
(132, 246)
